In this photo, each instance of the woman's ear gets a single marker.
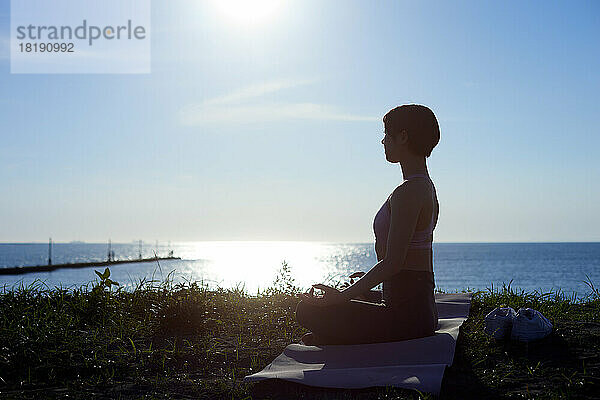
(402, 137)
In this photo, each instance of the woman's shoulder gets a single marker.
(413, 186)
(411, 190)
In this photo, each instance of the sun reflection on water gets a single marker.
(255, 264)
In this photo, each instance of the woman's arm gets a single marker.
(406, 203)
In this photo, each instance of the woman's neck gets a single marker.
(414, 166)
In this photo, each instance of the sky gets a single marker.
(270, 128)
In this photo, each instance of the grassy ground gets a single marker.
(186, 341)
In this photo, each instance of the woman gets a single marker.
(403, 236)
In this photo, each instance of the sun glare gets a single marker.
(248, 12)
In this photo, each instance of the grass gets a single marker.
(164, 340)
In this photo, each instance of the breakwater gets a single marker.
(52, 267)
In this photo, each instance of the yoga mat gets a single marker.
(412, 364)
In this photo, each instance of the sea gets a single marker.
(253, 266)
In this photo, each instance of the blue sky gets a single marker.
(272, 130)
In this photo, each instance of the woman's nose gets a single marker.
(382, 141)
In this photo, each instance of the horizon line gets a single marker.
(294, 241)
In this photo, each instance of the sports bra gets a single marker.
(421, 239)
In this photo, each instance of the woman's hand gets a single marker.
(331, 296)
(355, 275)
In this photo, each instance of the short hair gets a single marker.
(419, 122)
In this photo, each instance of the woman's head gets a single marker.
(414, 126)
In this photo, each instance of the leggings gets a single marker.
(359, 321)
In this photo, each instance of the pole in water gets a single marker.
(140, 243)
(109, 253)
(50, 251)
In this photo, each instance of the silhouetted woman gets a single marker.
(403, 236)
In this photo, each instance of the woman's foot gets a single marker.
(310, 339)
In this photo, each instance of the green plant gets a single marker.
(594, 291)
(284, 282)
(105, 281)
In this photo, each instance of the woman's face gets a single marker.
(393, 146)
(386, 144)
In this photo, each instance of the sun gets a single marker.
(248, 12)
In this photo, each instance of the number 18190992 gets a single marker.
(47, 47)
